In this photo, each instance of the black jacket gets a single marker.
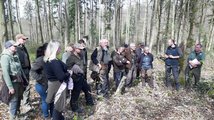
(23, 57)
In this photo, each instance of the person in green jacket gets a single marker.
(194, 63)
(12, 72)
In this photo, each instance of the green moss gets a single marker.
(182, 80)
(211, 93)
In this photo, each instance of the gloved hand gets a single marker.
(76, 69)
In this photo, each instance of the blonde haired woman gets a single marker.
(56, 72)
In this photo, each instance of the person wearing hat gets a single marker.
(84, 55)
(11, 69)
(26, 66)
(76, 64)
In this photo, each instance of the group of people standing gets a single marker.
(15, 64)
(56, 78)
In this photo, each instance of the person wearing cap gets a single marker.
(100, 59)
(12, 72)
(76, 64)
(84, 56)
(26, 66)
(131, 56)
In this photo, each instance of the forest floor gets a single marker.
(140, 103)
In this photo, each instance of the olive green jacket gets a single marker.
(11, 66)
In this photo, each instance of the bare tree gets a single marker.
(39, 21)
(18, 16)
(3, 30)
(49, 20)
(10, 18)
(160, 7)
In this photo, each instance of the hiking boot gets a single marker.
(89, 103)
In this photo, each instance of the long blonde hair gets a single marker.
(51, 51)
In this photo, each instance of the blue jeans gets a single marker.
(14, 106)
(15, 100)
(117, 77)
(175, 73)
(42, 92)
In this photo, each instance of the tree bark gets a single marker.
(159, 25)
(151, 25)
(167, 23)
(128, 23)
(39, 21)
(67, 26)
(49, 20)
(17, 16)
(145, 22)
(3, 30)
(10, 18)
(46, 21)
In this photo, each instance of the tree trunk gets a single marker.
(128, 23)
(174, 13)
(137, 19)
(151, 25)
(61, 26)
(37, 31)
(3, 29)
(77, 23)
(179, 20)
(46, 21)
(167, 24)
(145, 21)
(49, 20)
(202, 17)
(192, 13)
(210, 38)
(39, 21)
(17, 16)
(67, 26)
(10, 18)
(159, 25)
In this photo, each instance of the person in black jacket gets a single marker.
(146, 65)
(172, 55)
(57, 74)
(80, 83)
(26, 66)
(84, 56)
(37, 73)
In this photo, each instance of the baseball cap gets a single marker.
(9, 43)
(19, 36)
(78, 46)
